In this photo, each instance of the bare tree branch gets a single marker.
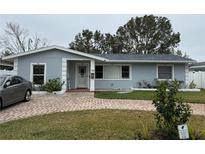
(17, 39)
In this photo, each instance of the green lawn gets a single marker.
(96, 124)
(190, 97)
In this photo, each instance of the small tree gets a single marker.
(171, 110)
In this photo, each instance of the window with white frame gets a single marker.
(165, 72)
(38, 74)
(112, 72)
(125, 72)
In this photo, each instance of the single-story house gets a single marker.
(5, 65)
(200, 66)
(97, 71)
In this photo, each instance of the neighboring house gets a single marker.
(200, 66)
(5, 65)
(96, 72)
(6, 68)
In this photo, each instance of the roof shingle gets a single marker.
(141, 57)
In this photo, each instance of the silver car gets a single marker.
(14, 89)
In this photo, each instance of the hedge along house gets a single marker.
(97, 71)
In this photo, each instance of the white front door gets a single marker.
(82, 75)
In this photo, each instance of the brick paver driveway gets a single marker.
(43, 104)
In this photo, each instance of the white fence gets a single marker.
(5, 72)
(198, 78)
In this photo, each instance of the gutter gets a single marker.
(148, 61)
(202, 66)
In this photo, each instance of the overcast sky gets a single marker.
(61, 29)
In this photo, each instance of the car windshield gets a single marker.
(2, 80)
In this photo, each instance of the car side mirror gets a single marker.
(8, 83)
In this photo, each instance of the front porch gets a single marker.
(78, 75)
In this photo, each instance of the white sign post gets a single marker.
(183, 131)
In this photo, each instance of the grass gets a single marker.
(190, 97)
(96, 124)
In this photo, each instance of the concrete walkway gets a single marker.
(44, 104)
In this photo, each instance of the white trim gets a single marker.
(77, 59)
(55, 47)
(201, 66)
(46, 93)
(31, 71)
(39, 92)
(186, 74)
(120, 79)
(151, 61)
(76, 75)
(165, 65)
(92, 70)
(64, 74)
(5, 64)
(113, 79)
(15, 67)
(154, 89)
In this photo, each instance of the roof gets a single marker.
(199, 65)
(112, 57)
(145, 58)
(54, 47)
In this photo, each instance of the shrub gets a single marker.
(53, 85)
(158, 83)
(171, 110)
(167, 82)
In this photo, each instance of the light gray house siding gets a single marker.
(179, 72)
(53, 60)
(140, 71)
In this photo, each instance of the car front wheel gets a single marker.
(28, 96)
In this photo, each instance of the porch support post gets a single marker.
(64, 74)
(15, 68)
(92, 75)
(186, 75)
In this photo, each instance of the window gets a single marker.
(38, 74)
(164, 72)
(82, 71)
(125, 72)
(112, 72)
(99, 72)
